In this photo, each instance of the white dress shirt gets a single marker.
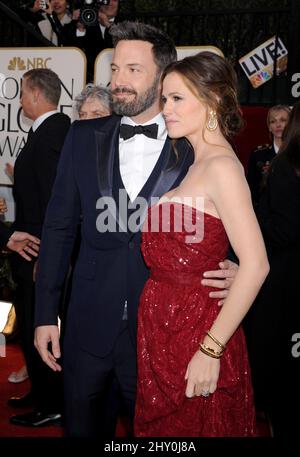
(139, 154)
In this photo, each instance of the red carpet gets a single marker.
(12, 362)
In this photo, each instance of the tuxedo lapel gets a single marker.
(105, 160)
(172, 168)
(107, 141)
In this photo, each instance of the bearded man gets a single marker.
(110, 170)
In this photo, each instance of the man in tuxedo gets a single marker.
(103, 165)
(34, 174)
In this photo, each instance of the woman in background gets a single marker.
(274, 320)
(94, 101)
(261, 157)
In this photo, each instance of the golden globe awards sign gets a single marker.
(68, 63)
(102, 72)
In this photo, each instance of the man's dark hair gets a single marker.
(47, 81)
(164, 51)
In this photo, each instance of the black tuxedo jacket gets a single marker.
(110, 268)
(274, 315)
(34, 174)
(259, 162)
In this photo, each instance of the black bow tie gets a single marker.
(128, 131)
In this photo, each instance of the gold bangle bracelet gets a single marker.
(210, 352)
(208, 348)
(214, 339)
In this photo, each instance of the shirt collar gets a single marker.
(42, 118)
(276, 148)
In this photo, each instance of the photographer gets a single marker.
(90, 32)
(57, 15)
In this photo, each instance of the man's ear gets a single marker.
(36, 94)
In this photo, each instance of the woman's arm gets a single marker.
(231, 197)
(230, 194)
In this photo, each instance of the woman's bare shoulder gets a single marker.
(222, 160)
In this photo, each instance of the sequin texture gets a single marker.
(175, 312)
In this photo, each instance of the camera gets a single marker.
(89, 10)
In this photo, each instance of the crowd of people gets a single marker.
(61, 22)
(140, 205)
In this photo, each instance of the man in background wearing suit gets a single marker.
(34, 174)
(100, 158)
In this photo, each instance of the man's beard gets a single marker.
(140, 103)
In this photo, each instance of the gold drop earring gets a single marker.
(212, 121)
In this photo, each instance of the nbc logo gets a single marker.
(19, 64)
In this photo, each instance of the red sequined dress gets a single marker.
(174, 313)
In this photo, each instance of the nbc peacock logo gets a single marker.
(16, 63)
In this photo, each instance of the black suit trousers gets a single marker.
(89, 378)
(46, 385)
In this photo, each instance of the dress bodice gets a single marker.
(180, 238)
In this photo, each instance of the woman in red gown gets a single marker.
(193, 372)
